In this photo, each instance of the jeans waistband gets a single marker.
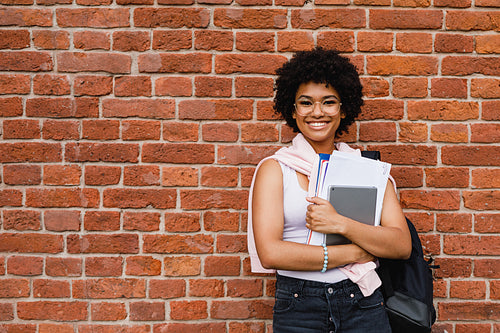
(289, 284)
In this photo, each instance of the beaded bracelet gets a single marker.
(325, 261)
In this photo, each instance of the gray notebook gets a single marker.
(355, 202)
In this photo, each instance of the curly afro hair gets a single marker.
(318, 66)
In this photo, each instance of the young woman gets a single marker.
(319, 288)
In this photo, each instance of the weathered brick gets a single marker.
(401, 65)
(45, 84)
(63, 266)
(62, 220)
(213, 40)
(45, 288)
(114, 63)
(255, 41)
(101, 220)
(343, 18)
(173, 86)
(259, 309)
(103, 266)
(453, 43)
(22, 174)
(179, 176)
(127, 41)
(100, 243)
(142, 221)
(436, 200)
(109, 288)
(178, 244)
(62, 107)
(293, 41)
(167, 288)
(25, 265)
(52, 310)
(248, 63)
(51, 40)
(414, 42)
(62, 197)
(31, 61)
(107, 311)
(139, 198)
(14, 39)
(374, 41)
(102, 152)
(204, 199)
(142, 108)
(477, 20)
(21, 220)
(172, 17)
(93, 17)
(188, 310)
(206, 288)
(26, 17)
(470, 155)
(143, 266)
(181, 266)
(92, 40)
(249, 18)
(102, 175)
(182, 222)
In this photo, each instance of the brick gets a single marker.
(21, 220)
(463, 65)
(92, 40)
(407, 176)
(382, 109)
(175, 40)
(139, 198)
(453, 3)
(487, 268)
(212, 86)
(109, 288)
(485, 88)
(255, 132)
(102, 175)
(46, 84)
(248, 63)
(486, 3)
(482, 200)
(375, 87)
(470, 155)
(178, 244)
(180, 131)
(213, 40)
(412, 3)
(44, 288)
(244, 154)
(343, 18)
(490, 110)
(60, 129)
(52, 310)
(182, 266)
(171, 17)
(62, 197)
(374, 41)
(453, 43)
(255, 41)
(449, 133)
(339, 40)
(22, 174)
(31, 61)
(189, 327)
(167, 288)
(100, 243)
(188, 310)
(63, 266)
(405, 19)
(62, 220)
(254, 87)
(414, 42)
(468, 289)
(249, 18)
(133, 86)
(143, 266)
(293, 41)
(449, 88)
(179, 176)
(487, 44)
(182, 222)
(175, 63)
(434, 199)
(222, 266)
(453, 267)
(447, 177)
(377, 131)
(221, 221)
(473, 327)
(141, 221)
(231, 243)
(442, 110)
(454, 222)
(61, 174)
(401, 65)
(142, 108)
(423, 221)
(470, 245)
(6, 311)
(216, 109)
(206, 288)
(412, 132)
(485, 133)
(205, 199)
(11, 198)
(251, 326)
(184, 153)
(258, 309)
(173, 86)
(21, 129)
(26, 17)
(113, 63)
(147, 311)
(62, 107)
(471, 21)
(97, 328)
(141, 175)
(22, 265)
(468, 311)
(51, 40)
(92, 17)
(11, 107)
(245, 288)
(127, 41)
(407, 154)
(108, 311)
(212, 176)
(101, 220)
(14, 83)
(102, 152)
(14, 39)
(15, 328)
(139, 130)
(14, 288)
(103, 266)
(485, 178)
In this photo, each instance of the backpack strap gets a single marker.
(373, 154)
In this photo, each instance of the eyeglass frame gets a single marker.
(320, 107)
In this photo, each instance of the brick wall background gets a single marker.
(131, 128)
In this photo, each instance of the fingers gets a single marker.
(317, 200)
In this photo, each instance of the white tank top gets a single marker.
(294, 230)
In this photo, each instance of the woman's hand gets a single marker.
(322, 217)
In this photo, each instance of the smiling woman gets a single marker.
(318, 93)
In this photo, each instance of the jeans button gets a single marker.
(351, 295)
(330, 290)
(330, 319)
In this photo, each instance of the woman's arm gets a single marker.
(268, 220)
(391, 240)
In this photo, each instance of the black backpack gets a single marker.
(407, 285)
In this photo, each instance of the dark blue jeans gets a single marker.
(304, 306)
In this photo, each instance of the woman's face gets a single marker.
(318, 127)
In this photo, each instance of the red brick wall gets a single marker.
(130, 131)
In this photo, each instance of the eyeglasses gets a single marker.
(329, 106)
